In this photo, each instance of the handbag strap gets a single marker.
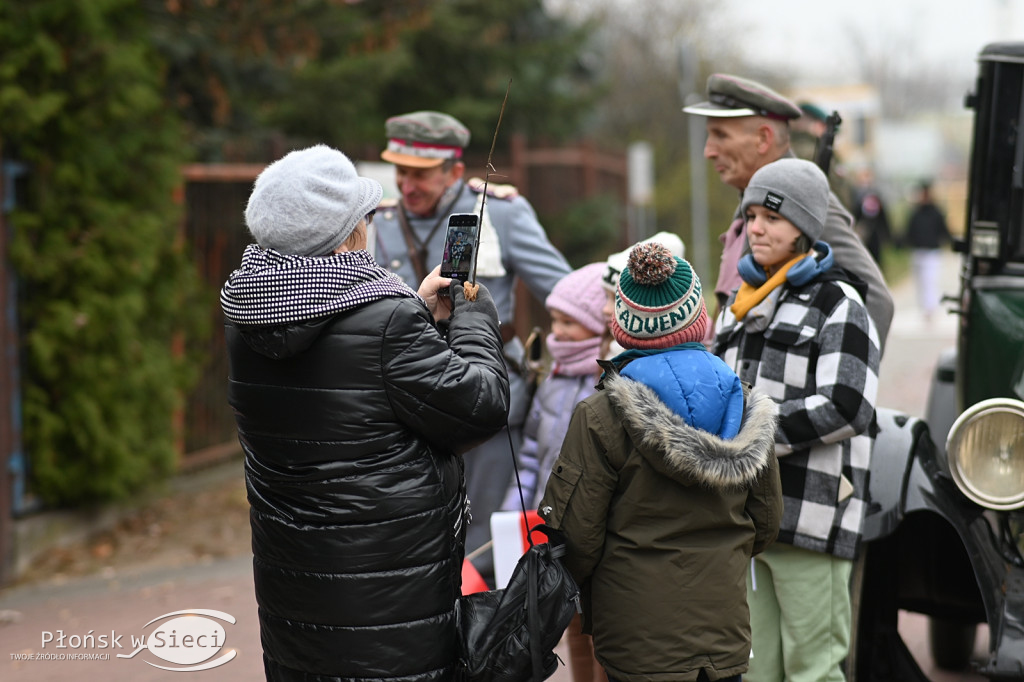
(533, 618)
(519, 485)
(532, 577)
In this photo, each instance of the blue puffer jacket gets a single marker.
(695, 385)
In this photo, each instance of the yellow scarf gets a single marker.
(747, 296)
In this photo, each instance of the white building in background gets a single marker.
(909, 151)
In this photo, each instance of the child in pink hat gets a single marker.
(579, 338)
(578, 335)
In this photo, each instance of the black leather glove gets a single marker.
(472, 317)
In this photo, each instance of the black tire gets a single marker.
(877, 652)
(951, 642)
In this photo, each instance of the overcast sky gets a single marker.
(816, 37)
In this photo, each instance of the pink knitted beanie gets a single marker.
(581, 296)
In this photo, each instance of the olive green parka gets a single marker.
(661, 520)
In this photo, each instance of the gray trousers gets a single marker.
(489, 473)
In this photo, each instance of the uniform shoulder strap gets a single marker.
(507, 192)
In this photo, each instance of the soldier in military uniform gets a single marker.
(748, 127)
(803, 140)
(426, 148)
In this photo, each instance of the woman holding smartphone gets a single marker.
(353, 411)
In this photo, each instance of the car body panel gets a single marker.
(994, 357)
(927, 547)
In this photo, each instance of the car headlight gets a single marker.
(985, 447)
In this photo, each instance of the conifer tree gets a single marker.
(254, 79)
(104, 284)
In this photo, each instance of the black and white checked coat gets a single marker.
(818, 358)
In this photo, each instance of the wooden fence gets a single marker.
(214, 227)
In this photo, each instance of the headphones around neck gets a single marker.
(801, 273)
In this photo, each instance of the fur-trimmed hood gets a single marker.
(689, 454)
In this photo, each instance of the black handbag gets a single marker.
(509, 635)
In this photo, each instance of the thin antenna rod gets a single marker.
(488, 169)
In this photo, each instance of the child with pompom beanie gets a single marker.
(666, 484)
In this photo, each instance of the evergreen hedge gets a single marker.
(105, 288)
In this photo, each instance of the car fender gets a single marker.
(900, 440)
(905, 477)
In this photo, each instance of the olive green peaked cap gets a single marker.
(424, 139)
(732, 96)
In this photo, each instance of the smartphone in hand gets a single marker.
(460, 244)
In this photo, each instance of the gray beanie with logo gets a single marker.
(795, 189)
(308, 202)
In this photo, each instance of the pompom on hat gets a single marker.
(617, 261)
(658, 301)
(308, 202)
(581, 296)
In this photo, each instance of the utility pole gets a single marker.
(640, 165)
(698, 250)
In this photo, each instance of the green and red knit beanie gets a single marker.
(658, 302)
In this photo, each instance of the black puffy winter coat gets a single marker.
(351, 427)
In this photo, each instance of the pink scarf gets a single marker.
(574, 358)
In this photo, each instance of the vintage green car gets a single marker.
(943, 530)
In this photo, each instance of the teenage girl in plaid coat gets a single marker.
(798, 329)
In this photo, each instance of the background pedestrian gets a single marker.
(926, 234)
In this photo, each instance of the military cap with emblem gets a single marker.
(732, 96)
(812, 110)
(424, 139)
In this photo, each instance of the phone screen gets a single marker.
(460, 246)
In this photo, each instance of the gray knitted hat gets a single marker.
(795, 189)
(309, 202)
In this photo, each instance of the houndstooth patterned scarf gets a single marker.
(271, 288)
